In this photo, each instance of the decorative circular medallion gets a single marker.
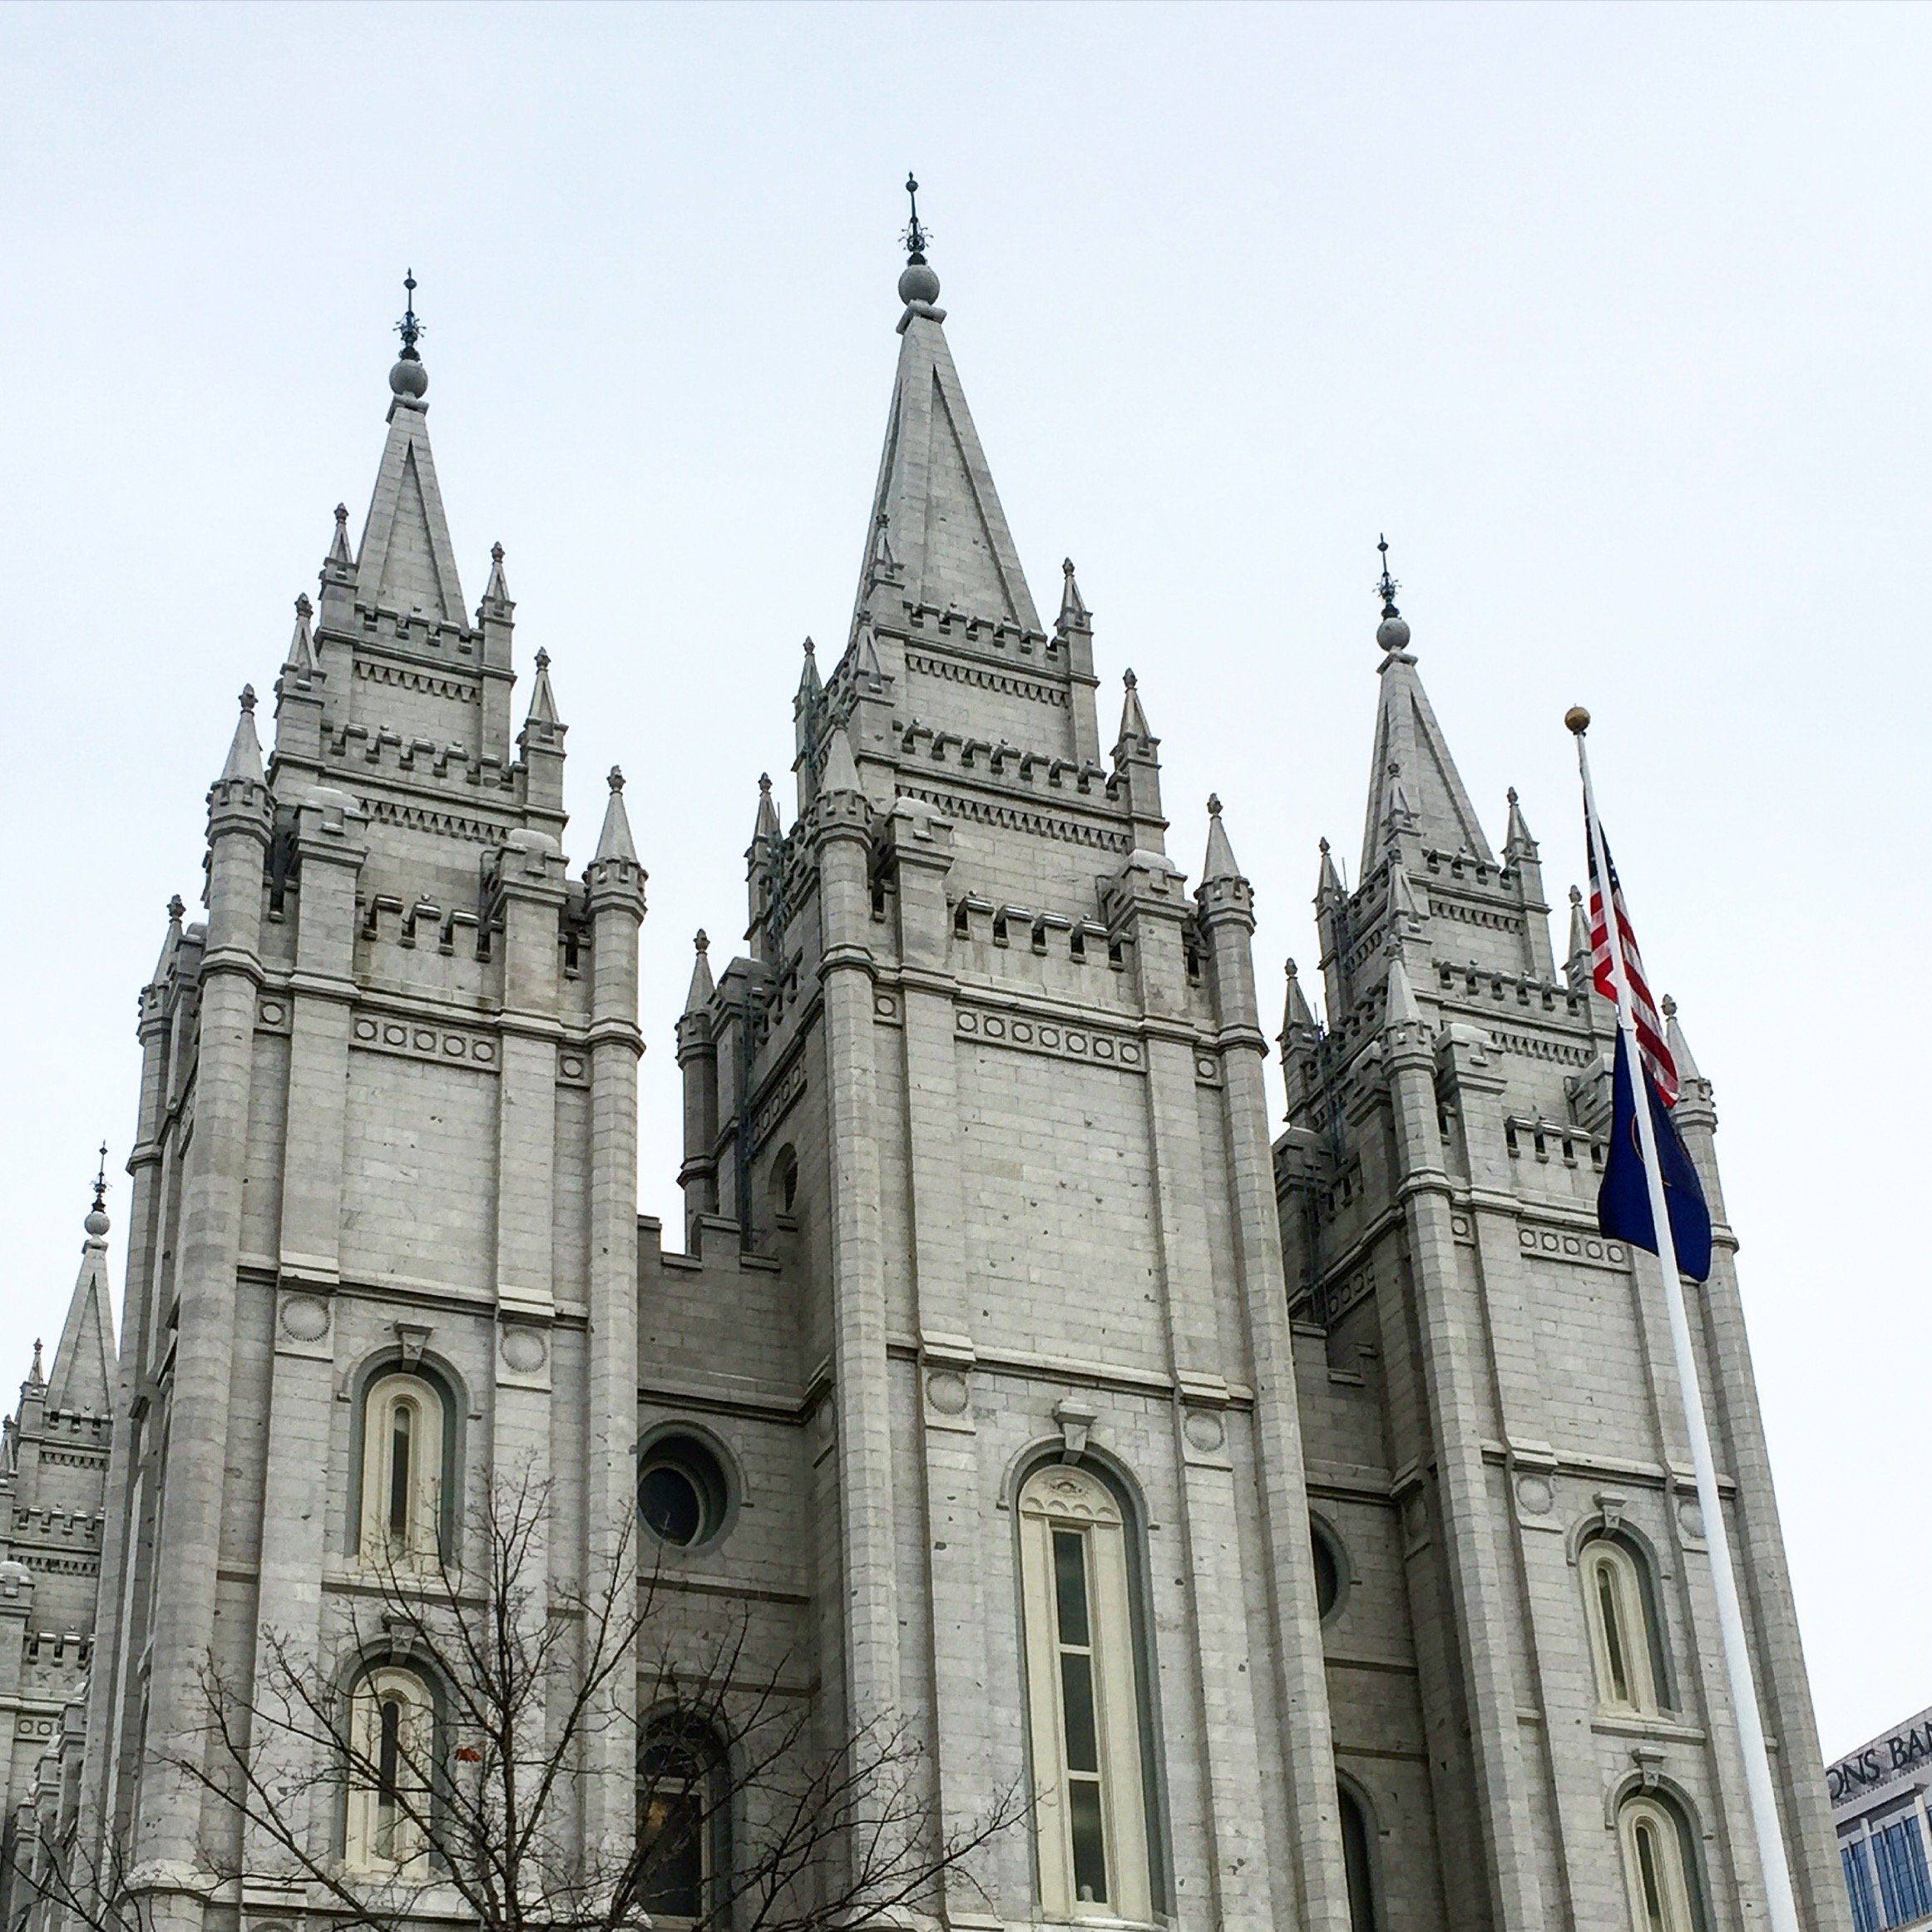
(272, 1013)
(365, 1029)
(573, 1068)
(884, 1005)
(1049, 1037)
(1076, 1042)
(1203, 1428)
(1690, 1518)
(1206, 1068)
(996, 1028)
(395, 1037)
(1103, 1049)
(969, 1023)
(425, 1040)
(1021, 1031)
(946, 1389)
(484, 1051)
(455, 1046)
(1535, 1495)
(1129, 1053)
(305, 1316)
(1458, 1225)
(524, 1349)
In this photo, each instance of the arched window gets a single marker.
(683, 1813)
(1623, 1636)
(1659, 1871)
(1083, 1697)
(393, 1737)
(1357, 1862)
(1330, 1572)
(402, 1471)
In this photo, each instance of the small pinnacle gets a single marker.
(765, 781)
(1066, 566)
(542, 655)
(1214, 804)
(1669, 1007)
(1386, 585)
(101, 1178)
(1511, 795)
(409, 328)
(1127, 679)
(702, 942)
(915, 237)
(615, 780)
(1576, 898)
(177, 908)
(496, 553)
(1323, 843)
(303, 608)
(342, 513)
(248, 697)
(36, 1369)
(811, 648)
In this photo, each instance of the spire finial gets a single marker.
(764, 784)
(96, 1223)
(408, 378)
(35, 1374)
(1214, 804)
(248, 697)
(177, 910)
(915, 237)
(918, 285)
(1392, 633)
(615, 780)
(542, 655)
(702, 942)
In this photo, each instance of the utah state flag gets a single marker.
(1623, 1200)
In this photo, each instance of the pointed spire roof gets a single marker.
(1402, 1010)
(1412, 779)
(497, 590)
(301, 659)
(1073, 613)
(244, 748)
(1680, 1048)
(767, 826)
(406, 562)
(841, 772)
(948, 539)
(1328, 886)
(542, 699)
(1219, 863)
(1297, 1016)
(1579, 928)
(1132, 718)
(338, 550)
(811, 685)
(699, 996)
(1518, 841)
(614, 841)
(82, 1376)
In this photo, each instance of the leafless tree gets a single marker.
(746, 1818)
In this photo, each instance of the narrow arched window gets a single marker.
(682, 1815)
(1083, 1696)
(1357, 1862)
(402, 1471)
(1659, 1873)
(1623, 1645)
(392, 1741)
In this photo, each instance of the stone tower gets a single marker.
(1300, 1527)
(1491, 1420)
(387, 1143)
(53, 1471)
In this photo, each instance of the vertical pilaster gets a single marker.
(616, 891)
(1451, 1329)
(1227, 916)
(185, 1632)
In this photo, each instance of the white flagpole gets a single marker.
(1779, 1903)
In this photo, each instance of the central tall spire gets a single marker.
(943, 529)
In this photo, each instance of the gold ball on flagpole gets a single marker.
(1578, 720)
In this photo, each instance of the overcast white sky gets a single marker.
(1615, 320)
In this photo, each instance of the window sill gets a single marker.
(1645, 1724)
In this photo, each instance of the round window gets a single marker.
(1328, 1572)
(681, 1492)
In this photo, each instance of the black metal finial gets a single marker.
(1386, 585)
(915, 237)
(101, 1181)
(409, 328)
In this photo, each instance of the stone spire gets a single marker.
(542, 699)
(1577, 971)
(1413, 782)
(1298, 1016)
(1518, 842)
(406, 562)
(1134, 727)
(702, 987)
(82, 1377)
(338, 550)
(767, 826)
(1073, 613)
(614, 841)
(497, 590)
(950, 547)
(244, 748)
(301, 661)
(1328, 887)
(1219, 863)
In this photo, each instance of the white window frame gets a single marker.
(1062, 1498)
(1664, 1878)
(1609, 1568)
(380, 1835)
(418, 1543)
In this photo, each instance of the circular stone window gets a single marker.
(681, 1492)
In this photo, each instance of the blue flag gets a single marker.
(1623, 1200)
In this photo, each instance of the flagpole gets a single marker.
(1779, 1902)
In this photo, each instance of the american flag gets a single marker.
(1650, 1040)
